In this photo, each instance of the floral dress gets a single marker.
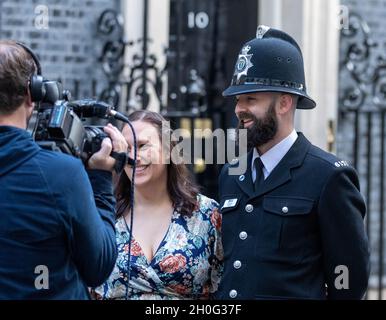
(187, 264)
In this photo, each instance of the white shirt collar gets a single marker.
(274, 155)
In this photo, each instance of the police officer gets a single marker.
(293, 222)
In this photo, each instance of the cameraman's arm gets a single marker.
(95, 263)
(92, 240)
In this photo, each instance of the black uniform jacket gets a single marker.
(301, 236)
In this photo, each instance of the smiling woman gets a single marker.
(176, 250)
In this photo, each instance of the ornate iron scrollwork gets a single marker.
(137, 83)
(362, 67)
(138, 77)
(110, 25)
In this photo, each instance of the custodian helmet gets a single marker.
(272, 61)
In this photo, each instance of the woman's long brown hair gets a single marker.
(180, 184)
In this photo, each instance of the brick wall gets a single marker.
(67, 43)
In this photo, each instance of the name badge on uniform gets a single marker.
(229, 203)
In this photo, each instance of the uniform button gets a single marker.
(242, 177)
(249, 208)
(284, 209)
(233, 294)
(243, 235)
(237, 264)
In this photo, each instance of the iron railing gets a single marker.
(362, 112)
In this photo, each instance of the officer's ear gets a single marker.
(287, 103)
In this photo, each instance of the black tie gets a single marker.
(259, 173)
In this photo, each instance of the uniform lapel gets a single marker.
(245, 180)
(282, 172)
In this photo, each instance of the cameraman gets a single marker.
(57, 231)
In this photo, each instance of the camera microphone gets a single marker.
(87, 108)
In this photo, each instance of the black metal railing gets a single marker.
(362, 112)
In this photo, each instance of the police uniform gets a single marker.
(300, 234)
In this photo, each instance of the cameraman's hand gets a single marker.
(102, 160)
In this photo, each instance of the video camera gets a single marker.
(59, 122)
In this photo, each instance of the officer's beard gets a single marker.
(262, 130)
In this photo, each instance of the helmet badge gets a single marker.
(243, 62)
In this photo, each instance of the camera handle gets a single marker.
(121, 159)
